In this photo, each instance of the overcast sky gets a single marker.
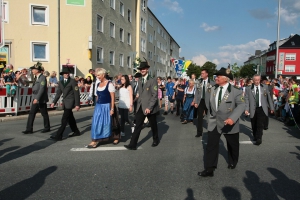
(225, 31)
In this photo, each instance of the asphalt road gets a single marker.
(34, 167)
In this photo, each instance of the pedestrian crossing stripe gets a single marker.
(102, 149)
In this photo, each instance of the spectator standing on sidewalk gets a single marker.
(53, 79)
(9, 83)
(40, 99)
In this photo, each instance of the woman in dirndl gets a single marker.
(188, 99)
(104, 109)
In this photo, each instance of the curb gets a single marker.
(52, 113)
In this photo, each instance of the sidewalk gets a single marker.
(50, 112)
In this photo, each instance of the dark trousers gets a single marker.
(212, 148)
(123, 112)
(266, 124)
(140, 117)
(201, 109)
(179, 105)
(67, 117)
(134, 105)
(33, 110)
(257, 122)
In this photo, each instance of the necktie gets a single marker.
(203, 92)
(220, 96)
(257, 97)
(143, 80)
(34, 80)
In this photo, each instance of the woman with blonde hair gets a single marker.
(188, 99)
(53, 79)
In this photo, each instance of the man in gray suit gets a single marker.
(40, 99)
(201, 100)
(147, 106)
(258, 100)
(69, 88)
(226, 105)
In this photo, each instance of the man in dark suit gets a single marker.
(147, 106)
(135, 88)
(40, 99)
(258, 101)
(68, 87)
(225, 108)
(265, 81)
(201, 100)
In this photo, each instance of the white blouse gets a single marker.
(111, 88)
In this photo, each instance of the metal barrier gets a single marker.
(22, 100)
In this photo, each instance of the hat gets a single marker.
(264, 78)
(7, 70)
(144, 65)
(137, 75)
(65, 70)
(37, 66)
(224, 72)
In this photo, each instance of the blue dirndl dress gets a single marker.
(101, 124)
(188, 110)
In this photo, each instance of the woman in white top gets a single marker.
(188, 99)
(125, 102)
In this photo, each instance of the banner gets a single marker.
(181, 66)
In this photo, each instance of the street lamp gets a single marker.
(277, 43)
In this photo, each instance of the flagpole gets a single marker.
(277, 43)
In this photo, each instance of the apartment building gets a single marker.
(86, 34)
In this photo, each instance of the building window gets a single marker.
(112, 4)
(150, 38)
(143, 25)
(121, 35)
(129, 15)
(40, 51)
(154, 35)
(122, 9)
(290, 56)
(121, 60)
(5, 14)
(99, 23)
(143, 45)
(128, 61)
(129, 39)
(111, 57)
(150, 21)
(112, 29)
(39, 15)
(144, 6)
(99, 55)
(290, 68)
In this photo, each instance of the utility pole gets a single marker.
(58, 32)
(277, 43)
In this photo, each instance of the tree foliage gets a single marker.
(235, 70)
(193, 69)
(210, 67)
(247, 71)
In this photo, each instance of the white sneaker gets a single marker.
(132, 129)
(122, 134)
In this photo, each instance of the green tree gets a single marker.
(247, 71)
(210, 67)
(193, 69)
(235, 70)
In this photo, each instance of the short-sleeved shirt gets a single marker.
(180, 94)
(170, 89)
(53, 80)
(8, 79)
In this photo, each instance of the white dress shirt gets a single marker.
(222, 95)
(204, 83)
(259, 98)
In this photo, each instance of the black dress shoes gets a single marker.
(56, 138)
(75, 134)
(45, 130)
(206, 173)
(129, 147)
(147, 125)
(198, 135)
(154, 144)
(27, 132)
(258, 142)
(231, 166)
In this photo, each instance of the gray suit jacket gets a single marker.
(199, 92)
(70, 91)
(265, 98)
(39, 90)
(148, 95)
(231, 106)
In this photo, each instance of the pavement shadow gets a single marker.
(26, 150)
(246, 130)
(283, 186)
(293, 131)
(190, 194)
(24, 189)
(298, 154)
(5, 140)
(231, 193)
(257, 188)
(9, 149)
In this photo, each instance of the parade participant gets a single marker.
(202, 99)
(179, 97)
(258, 100)
(147, 106)
(135, 90)
(225, 108)
(196, 82)
(69, 89)
(170, 95)
(104, 110)
(161, 87)
(265, 81)
(188, 102)
(40, 99)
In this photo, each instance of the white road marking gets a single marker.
(241, 142)
(102, 149)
